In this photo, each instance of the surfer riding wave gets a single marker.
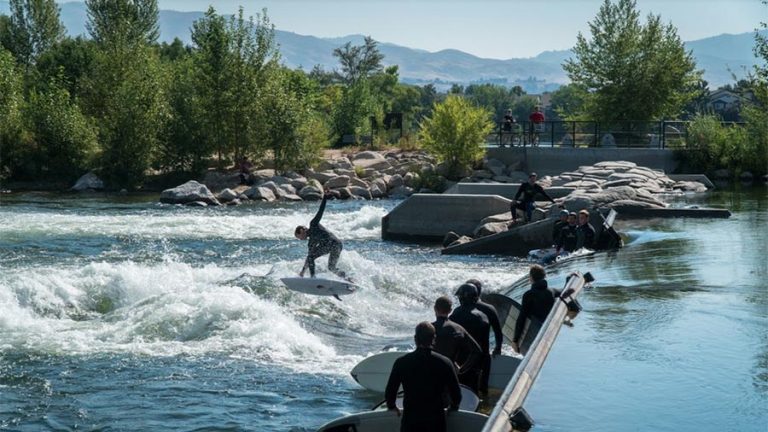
(321, 242)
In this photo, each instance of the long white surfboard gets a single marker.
(319, 286)
(373, 372)
(388, 421)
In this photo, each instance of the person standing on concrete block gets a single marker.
(528, 191)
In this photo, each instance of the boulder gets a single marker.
(337, 182)
(311, 193)
(482, 174)
(354, 181)
(88, 181)
(321, 176)
(689, 186)
(288, 189)
(345, 172)
(343, 163)
(616, 183)
(377, 190)
(190, 191)
(411, 179)
(501, 217)
(746, 177)
(298, 183)
(274, 188)
(280, 180)
(461, 240)
(395, 181)
(495, 166)
(217, 180)
(227, 195)
(371, 159)
(260, 193)
(595, 171)
(361, 192)
(490, 228)
(344, 192)
(401, 192)
(449, 238)
(291, 197)
(234, 202)
(627, 205)
(367, 173)
(518, 176)
(620, 166)
(722, 174)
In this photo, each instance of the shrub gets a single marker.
(455, 133)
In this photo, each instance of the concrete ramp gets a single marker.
(506, 190)
(431, 216)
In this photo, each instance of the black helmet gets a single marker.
(467, 292)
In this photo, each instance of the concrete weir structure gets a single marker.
(555, 160)
(431, 216)
(506, 190)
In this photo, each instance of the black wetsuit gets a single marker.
(476, 324)
(452, 341)
(526, 204)
(425, 376)
(585, 236)
(557, 231)
(536, 304)
(321, 242)
(568, 238)
(493, 320)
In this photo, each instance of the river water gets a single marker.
(124, 314)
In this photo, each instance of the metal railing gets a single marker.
(665, 134)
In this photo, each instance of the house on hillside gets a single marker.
(727, 102)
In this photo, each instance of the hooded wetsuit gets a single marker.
(321, 242)
(452, 341)
(537, 302)
(476, 324)
(425, 376)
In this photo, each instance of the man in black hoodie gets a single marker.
(528, 192)
(536, 304)
(425, 376)
(321, 242)
(476, 324)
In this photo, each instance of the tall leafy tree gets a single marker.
(632, 71)
(359, 61)
(127, 88)
(33, 28)
(11, 104)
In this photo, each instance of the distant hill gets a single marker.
(719, 56)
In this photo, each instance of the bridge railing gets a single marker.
(665, 134)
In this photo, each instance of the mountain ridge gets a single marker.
(720, 56)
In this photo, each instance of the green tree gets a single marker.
(568, 101)
(70, 60)
(455, 133)
(11, 104)
(183, 147)
(358, 62)
(292, 130)
(34, 27)
(494, 97)
(126, 91)
(632, 72)
(65, 138)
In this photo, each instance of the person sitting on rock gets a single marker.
(528, 191)
(245, 166)
(559, 225)
(585, 232)
(568, 236)
(321, 242)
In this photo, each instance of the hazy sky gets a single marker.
(494, 29)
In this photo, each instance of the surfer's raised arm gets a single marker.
(316, 220)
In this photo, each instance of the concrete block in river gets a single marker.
(431, 216)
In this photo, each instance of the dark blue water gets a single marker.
(122, 314)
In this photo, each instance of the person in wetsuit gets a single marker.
(536, 304)
(568, 235)
(425, 375)
(528, 191)
(451, 340)
(559, 225)
(493, 320)
(476, 323)
(585, 233)
(321, 242)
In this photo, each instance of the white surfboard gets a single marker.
(373, 372)
(388, 421)
(469, 400)
(318, 286)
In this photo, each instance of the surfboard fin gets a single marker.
(336, 296)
